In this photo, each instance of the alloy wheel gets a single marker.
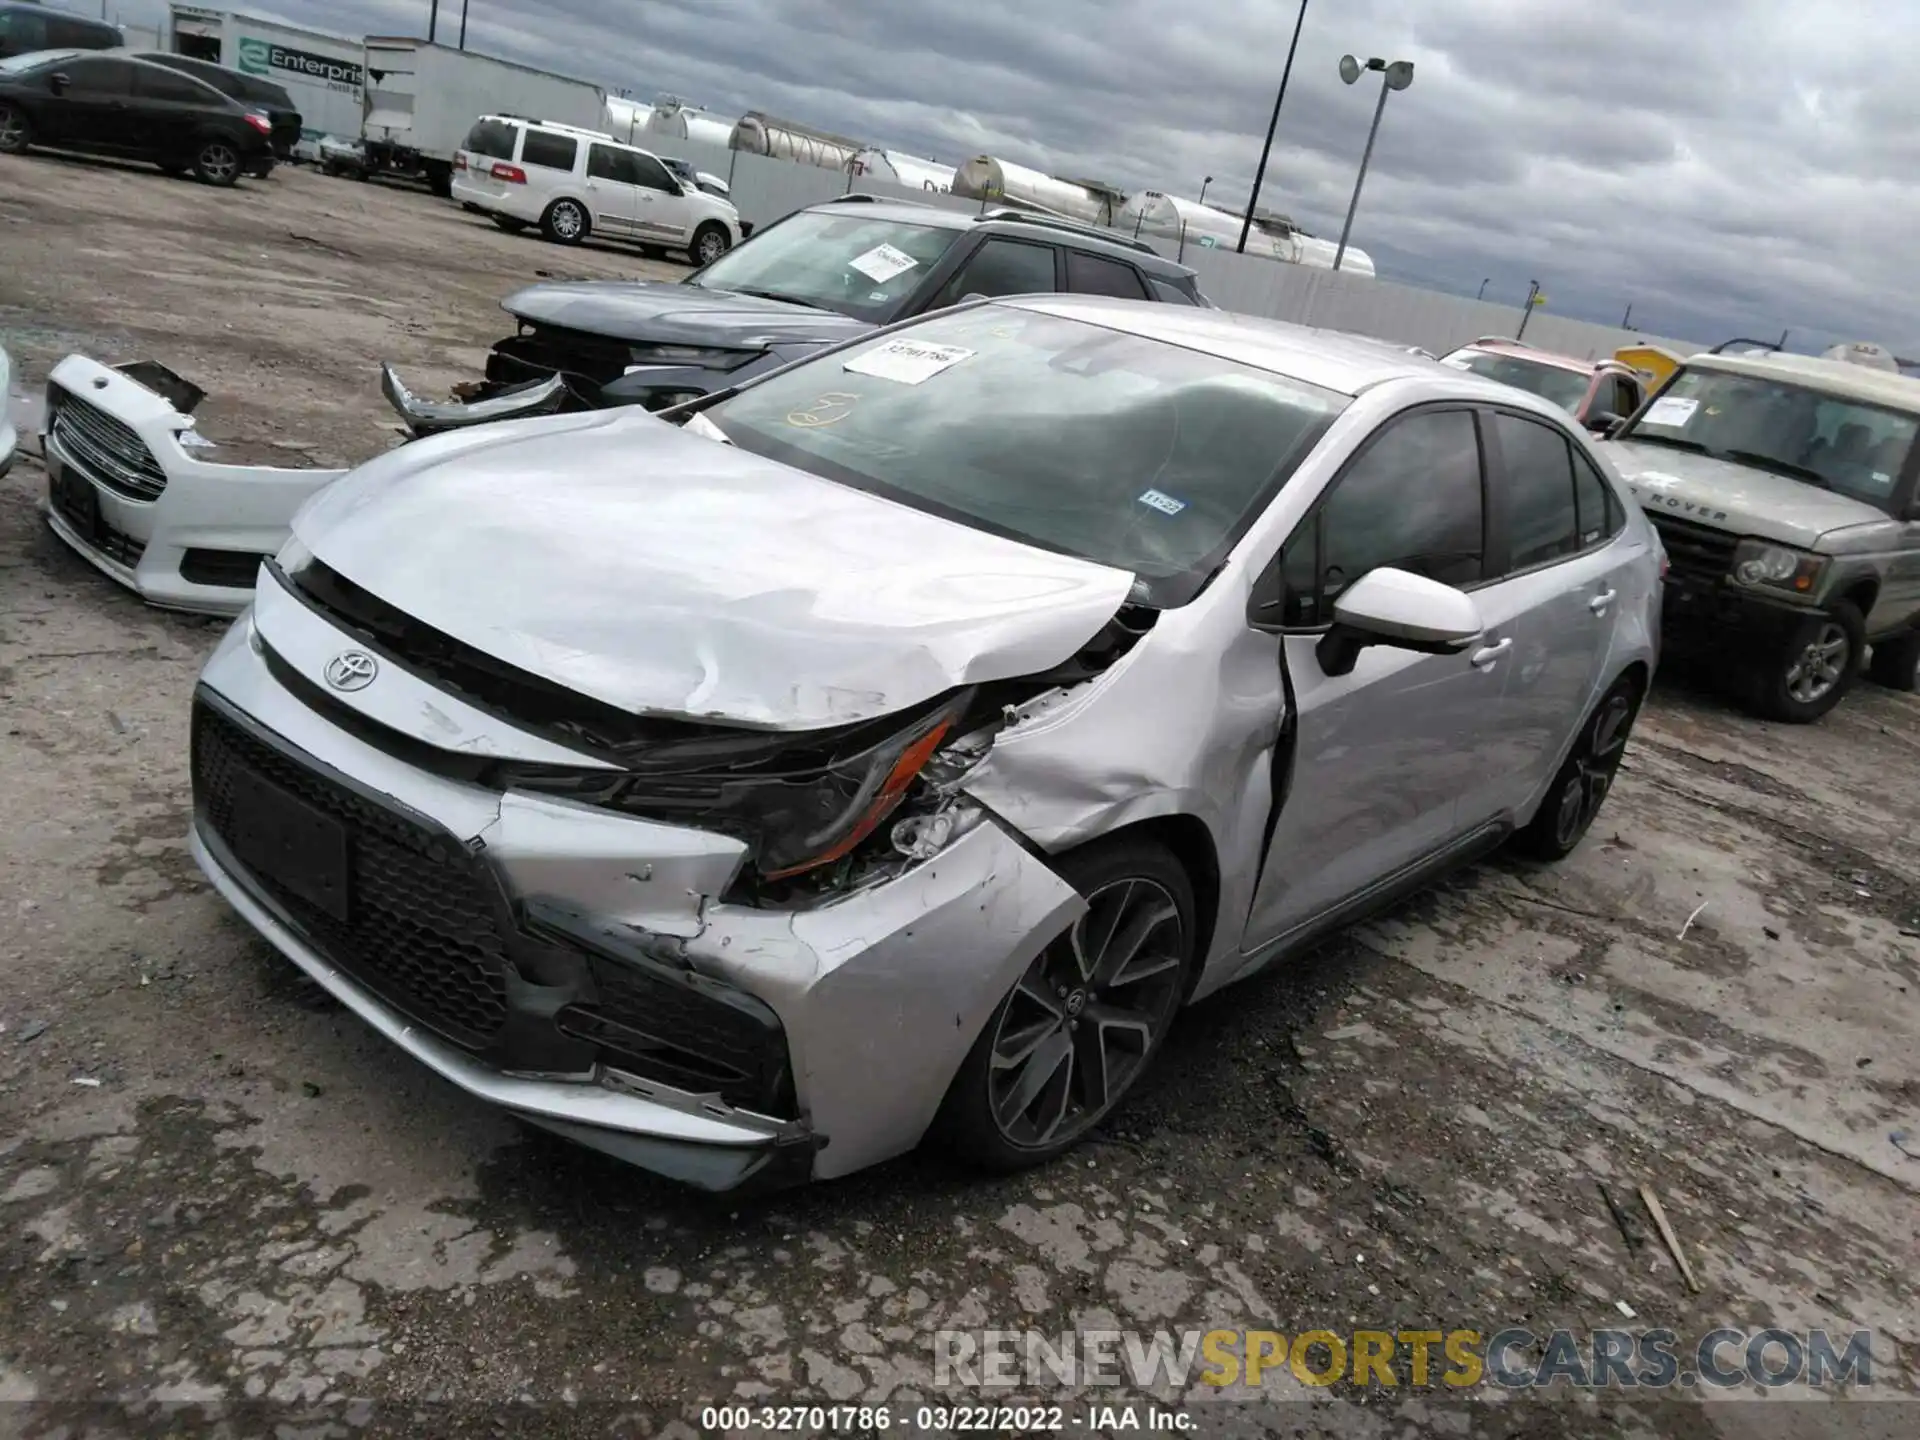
(1081, 1023)
(1585, 791)
(1820, 665)
(13, 130)
(219, 164)
(712, 246)
(566, 221)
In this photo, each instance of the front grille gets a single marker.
(422, 934)
(1696, 552)
(114, 544)
(105, 448)
(233, 569)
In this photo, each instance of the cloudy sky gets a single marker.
(1739, 167)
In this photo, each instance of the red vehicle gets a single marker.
(1594, 392)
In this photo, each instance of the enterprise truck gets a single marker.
(421, 99)
(320, 72)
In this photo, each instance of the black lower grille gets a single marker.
(233, 569)
(69, 503)
(421, 934)
(550, 350)
(1696, 552)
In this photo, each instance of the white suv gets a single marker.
(573, 183)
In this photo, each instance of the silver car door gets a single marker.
(1552, 591)
(1381, 757)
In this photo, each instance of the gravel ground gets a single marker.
(217, 1186)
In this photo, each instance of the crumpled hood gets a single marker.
(651, 312)
(669, 574)
(1730, 496)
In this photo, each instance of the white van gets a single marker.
(573, 183)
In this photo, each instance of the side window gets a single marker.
(80, 35)
(1412, 500)
(24, 32)
(1595, 504)
(1002, 267)
(153, 83)
(1170, 293)
(1097, 275)
(606, 163)
(549, 151)
(649, 172)
(99, 77)
(1538, 464)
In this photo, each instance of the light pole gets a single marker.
(1483, 288)
(1253, 199)
(1395, 75)
(1203, 189)
(1534, 297)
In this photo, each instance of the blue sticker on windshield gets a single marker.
(1164, 503)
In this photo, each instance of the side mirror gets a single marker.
(1403, 610)
(1604, 422)
(58, 84)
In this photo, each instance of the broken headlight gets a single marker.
(799, 801)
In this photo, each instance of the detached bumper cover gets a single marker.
(513, 402)
(576, 967)
(132, 490)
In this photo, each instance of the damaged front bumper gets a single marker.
(578, 967)
(130, 488)
(484, 402)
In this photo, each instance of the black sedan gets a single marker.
(111, 105)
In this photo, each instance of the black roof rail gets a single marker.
(1060, 222)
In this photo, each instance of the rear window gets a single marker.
(550, 152)
(493, 139)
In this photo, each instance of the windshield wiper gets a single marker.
(1674, 440)
(783, 299)
(1778, 466)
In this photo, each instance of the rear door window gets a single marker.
(1537, 477)
(1098, 275)
(155, 83)
(1003, 267)
(604, 162)
(493, 139)
(549, 151)
(99, 77)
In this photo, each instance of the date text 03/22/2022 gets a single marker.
(938, 1419)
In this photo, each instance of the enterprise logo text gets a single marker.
(1514, 1358)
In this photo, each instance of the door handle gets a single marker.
(1599, 603)
(1485, 657)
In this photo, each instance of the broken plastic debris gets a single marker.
(86, 1080)
(1625, 1309)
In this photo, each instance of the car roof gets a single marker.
(1330, 359)
(1840, 378)
(1520, 350)
(911, 212)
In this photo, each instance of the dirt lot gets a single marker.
(214, 1184)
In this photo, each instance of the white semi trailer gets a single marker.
(421, 99)
(1001, 182)
(909, 171)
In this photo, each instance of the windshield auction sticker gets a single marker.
(910, 362)
(882, 263)
(1670, 410)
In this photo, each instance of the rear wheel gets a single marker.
(710, 242)
(1081, 1026)
(15, 135)
(440, 179)
(1581, 788)
(1896, 662)
(565, 222)
(1806, 675)
(217, 163)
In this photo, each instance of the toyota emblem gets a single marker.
(352, 670)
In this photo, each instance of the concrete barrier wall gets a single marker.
(765, 189)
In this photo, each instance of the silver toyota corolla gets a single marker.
(893, 746)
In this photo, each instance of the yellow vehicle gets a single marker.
(1653, 363)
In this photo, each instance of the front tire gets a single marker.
(217, 163)
(1896, 662)
(1079, 1028)
(565, 222)
(710, 242)
(1806, 676)
(1574, 799)
(15, 134)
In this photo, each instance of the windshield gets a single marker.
(1565, 388)
(1067, 435)
(860, 265)
(33, 60)
(1844, 445)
